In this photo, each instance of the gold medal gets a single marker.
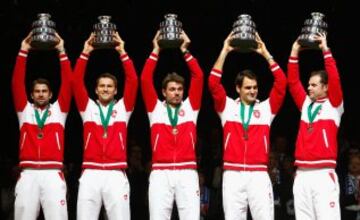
(246, 136)
(175, 131)
(40, 135)
(310, 128)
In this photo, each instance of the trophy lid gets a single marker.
(317, 15)
(44, 16)
(244, 16)
(170, 16)
(104, 19)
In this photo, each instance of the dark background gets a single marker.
(207, 23)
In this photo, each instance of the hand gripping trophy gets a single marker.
(170, 31)
(43, 33)
(104, 33)
(312, 27)
(244, 34)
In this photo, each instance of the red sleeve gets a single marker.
(147, 86)
(296, 89)
(196, 83)
(65, 89)
(334, 85)
(217, 91)
(18, 81)
(131, 82)
(278, 90)
(78, 86)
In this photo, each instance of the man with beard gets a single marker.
(173, 137)
(42, 123)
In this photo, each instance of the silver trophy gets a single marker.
(244, 33)
(104, 31)
(311, 29)
(170, 32)
(43, 33)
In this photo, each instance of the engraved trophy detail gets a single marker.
(311, 29)
(244, 34)
(43, 33)
(170, 32)
(104, 31)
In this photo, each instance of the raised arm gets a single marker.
(334, 84)
(147, 87)
(18, 78)
(197, 76)
(296, 89)
(277, 93)
(64, 97)
(131, 81)
(78, 86)
(216, 89)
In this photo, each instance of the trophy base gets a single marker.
(104, 45)
(170, 43)
(309, 44)
(43, 45)
(243, 45)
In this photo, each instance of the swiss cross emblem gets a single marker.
(332, 204)
(49, 113)
(113, 113)
(256, 113)
(181, 112)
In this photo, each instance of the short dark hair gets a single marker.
(322, 74)
(172, 77)
(245, 73)
(40, 81)
(107, 75)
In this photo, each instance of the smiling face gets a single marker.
(41, 95)
(248, 91)
(105, 90)
(173, 93)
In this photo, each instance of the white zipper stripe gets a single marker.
(122, 142)
(227, 140)
(156, 141)
(87, 140)
(58, 140)
(325, 138)
(23, 140)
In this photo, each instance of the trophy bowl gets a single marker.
(43, 33)
(312, 27)
(104, 31)
(244, 37)
(170, 32)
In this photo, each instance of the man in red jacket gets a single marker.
(246, 131)
(173, 137)
(316, 187)
(42, 123)
(105, 130)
